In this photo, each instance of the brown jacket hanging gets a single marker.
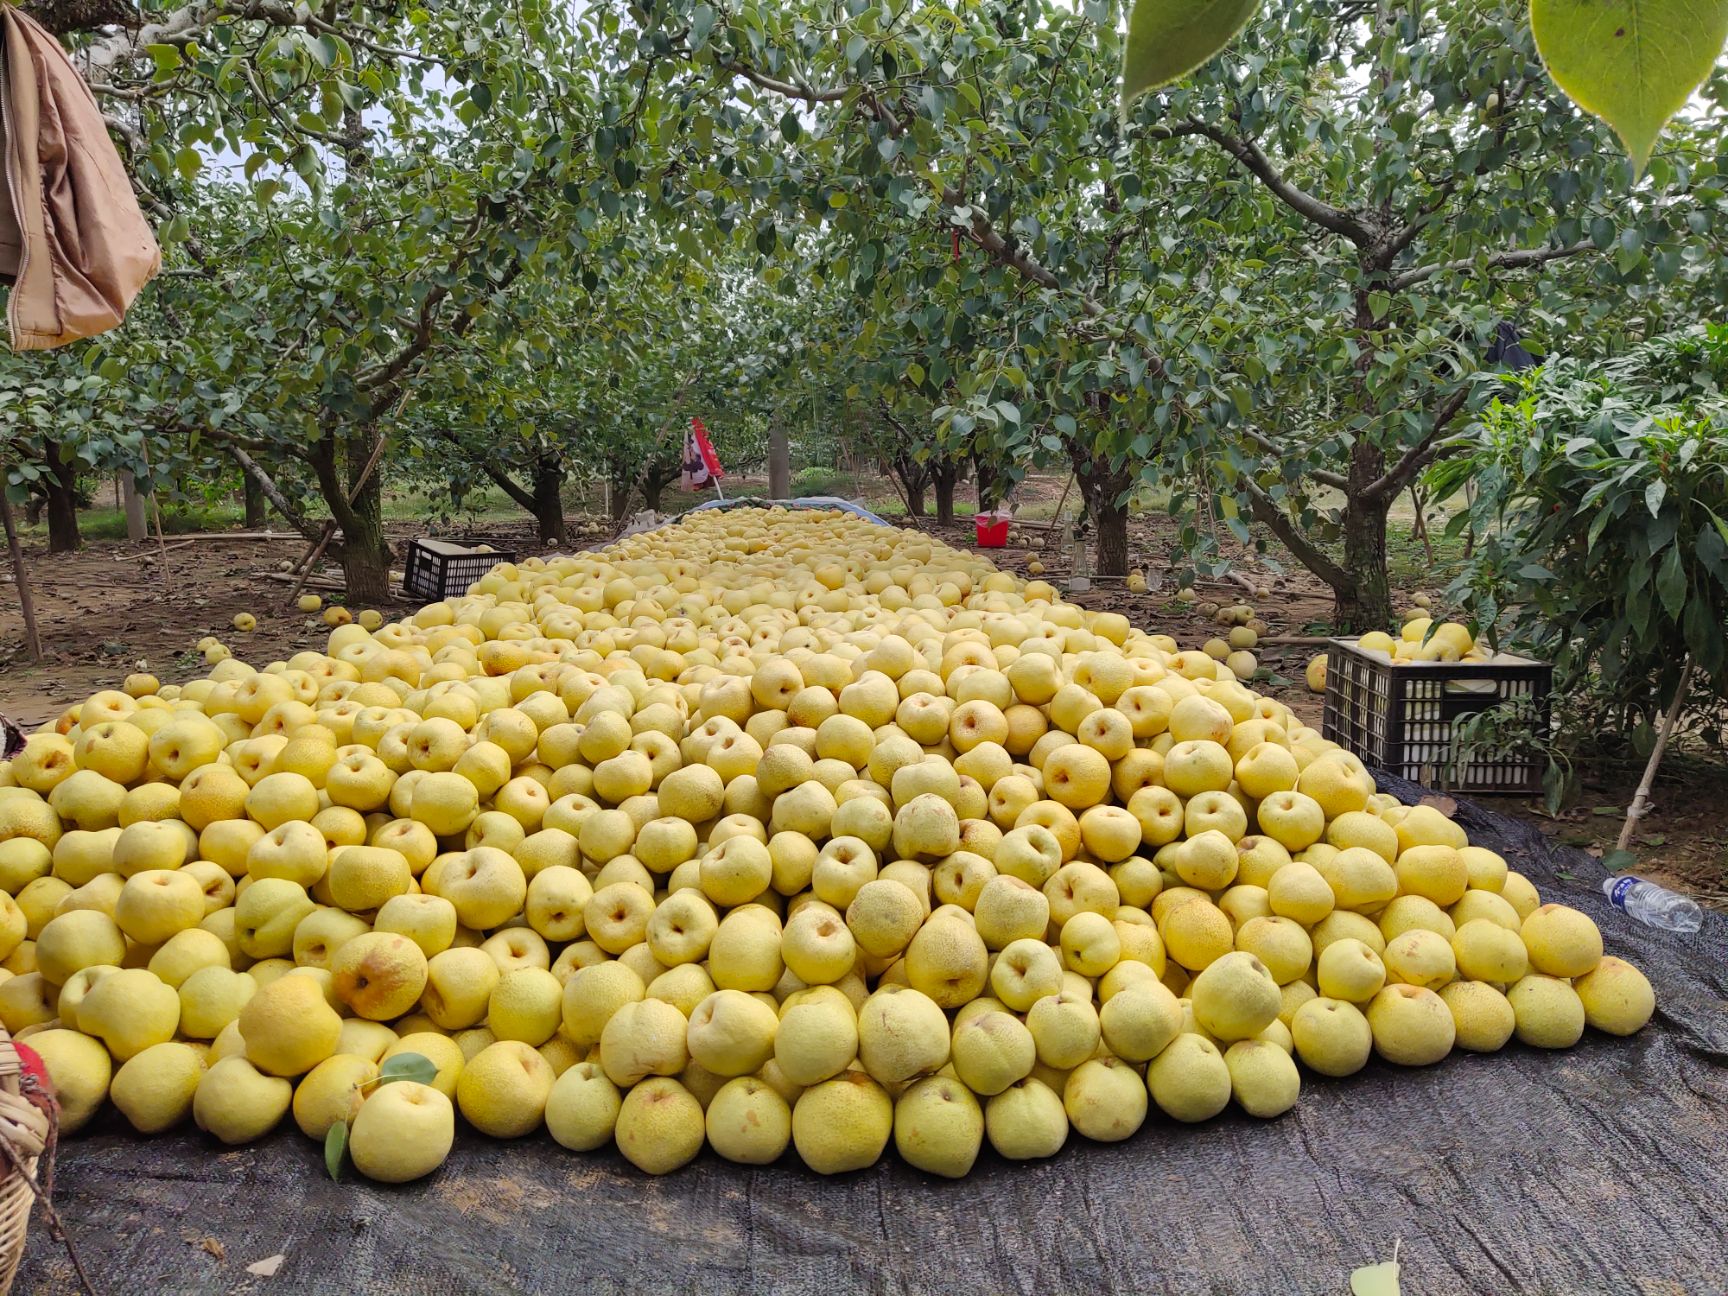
(73, 242)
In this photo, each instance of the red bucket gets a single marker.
(992, 530)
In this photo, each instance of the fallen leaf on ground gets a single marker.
(267, 1268)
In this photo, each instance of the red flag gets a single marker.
(701, 465)
(706, 447)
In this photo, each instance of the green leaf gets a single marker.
(702, 20)
(165, 57)
(1168, 39)
(407, 1066)
(1654, 494)
(1633, 63)
(1671, 582)
(336, 1144)
(1619, 861)
(1376, 1280)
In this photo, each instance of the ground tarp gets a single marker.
(1600, 1171)
(805, 502)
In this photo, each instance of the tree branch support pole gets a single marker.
(1641, 801)
(1420, 527)
(913, 519)
(156, 514)
(264, 483)
(21, 577)
(779, 462)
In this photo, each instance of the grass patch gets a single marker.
(1408, 562)
(178, 519)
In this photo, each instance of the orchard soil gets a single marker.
(110, 610)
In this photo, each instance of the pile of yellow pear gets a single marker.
(768, 828)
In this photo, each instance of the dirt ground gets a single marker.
(115, 608)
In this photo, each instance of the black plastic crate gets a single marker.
(1401, 717)
(441, 569)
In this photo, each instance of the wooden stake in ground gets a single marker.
(1641, 801)
(21, 577)
(1419, 528)
(161, 540)
(310, 560)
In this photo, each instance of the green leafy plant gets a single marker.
(1603, 495)
(1516, 729)
(416, 1067)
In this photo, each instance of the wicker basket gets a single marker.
(24, 1128)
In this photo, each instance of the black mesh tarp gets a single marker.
(1603, 1169)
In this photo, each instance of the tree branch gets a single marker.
(61, 17)
(322, 456)
(985, 234)
(498, 476)
(1277, 521)
(791, 90)
(1325, 477)
(1249, 156)
(1413, 460)
(979, 227)
(112, 48)
(385, 380)
(272, 492)
(1511, 260)
(1390, 249)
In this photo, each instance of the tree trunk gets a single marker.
(915, 495)
(133, 504)
(257, 508)
(986, 478)
(365, 553)
(1112, 539)
(944, 473)
(61, 486)
(621, 490)
(653, 483)
(779, 463)
(1105, 489)
(1363, 600)
(548, 498)
(914, 479)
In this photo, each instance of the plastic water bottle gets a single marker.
(1653, 905)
